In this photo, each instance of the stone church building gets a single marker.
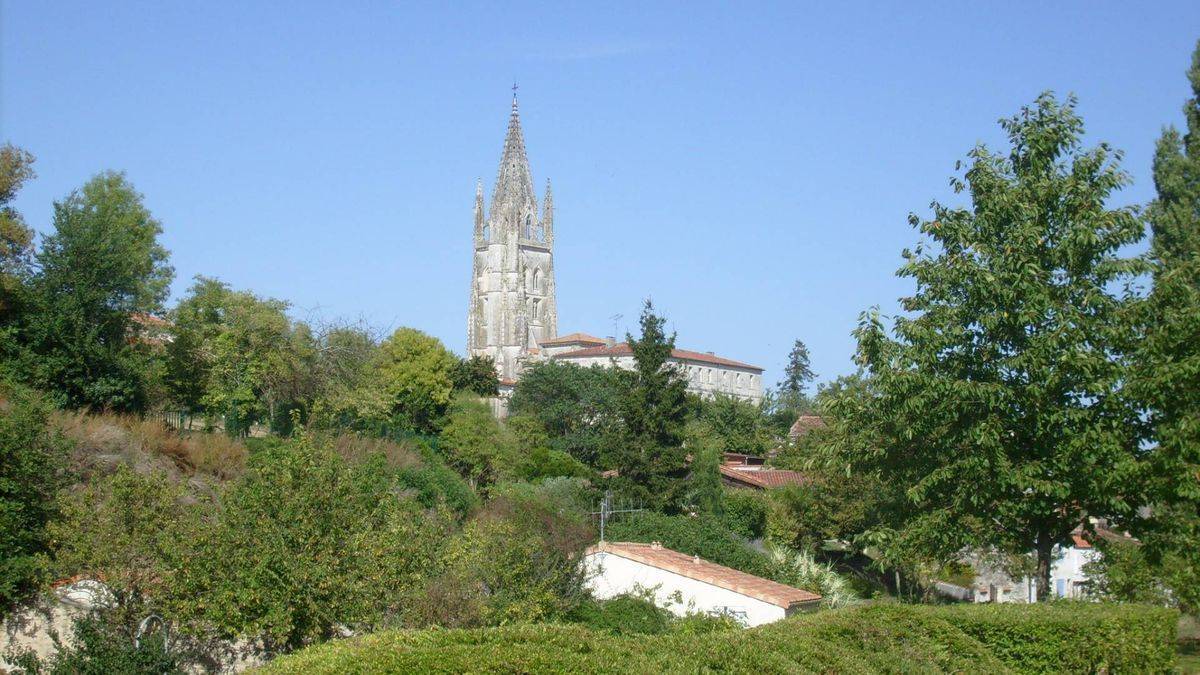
(513, 314)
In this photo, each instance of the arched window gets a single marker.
(487, 232)
(537, 279)
(528, 226)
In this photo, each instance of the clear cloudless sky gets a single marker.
(748, 166)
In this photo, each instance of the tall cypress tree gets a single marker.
(649, 454)
(1168, 381)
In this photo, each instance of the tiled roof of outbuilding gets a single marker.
(692, 567)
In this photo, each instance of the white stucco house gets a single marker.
(1067, 576)
(686, 584)
(706, 373)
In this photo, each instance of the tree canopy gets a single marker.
(997, 399)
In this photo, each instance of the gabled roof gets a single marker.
(573, 339)
(763, 478)
(693, 567)
(805, 424)
(622, 349)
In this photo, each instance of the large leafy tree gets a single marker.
(1168, 377)
(649, 455)
(997, 399)
(407, 387)
(577, 406)
(102, 266)
(238, 357)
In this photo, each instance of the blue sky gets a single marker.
(750, 167)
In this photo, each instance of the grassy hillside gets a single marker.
(864, 639)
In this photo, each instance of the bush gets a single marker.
(705, 536)
(1081, 637)
(745, 512)
(516, 561)
(883, 638)
(32, 459)
(801, 569)
(102, 645)
(623, 615)
(305, 543)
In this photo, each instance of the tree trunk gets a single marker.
(1045, 557)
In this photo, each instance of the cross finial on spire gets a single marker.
(514, 94)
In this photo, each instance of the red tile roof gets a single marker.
(692, 567)
(805, 424)
(763, 478)
(573, 338)
(622, 349)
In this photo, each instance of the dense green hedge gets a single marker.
(1077, 637)
(863, 639)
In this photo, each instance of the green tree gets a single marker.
(101, 266)
(1167, 380)
(704, 494)
(239, 357)
(736, 425)
(475, 444)
(476, 375)
(408, 386)
(578, 407)
(16, 238)
(648, 453)
(997, 404)
(32, 464)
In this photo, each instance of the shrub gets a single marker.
(102, 645)
(518, 560)
(125, 529)
(705, 536)
(882, 638)
(1082, 637)
(32, 459)
(623, 615)
(745, 512)
(303, 543)
(801, 569)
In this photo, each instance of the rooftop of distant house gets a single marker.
(622, 349)
(574, 339)
(805, 424)
(694, 567)
(763, 479)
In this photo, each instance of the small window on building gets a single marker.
(528, 227)
(487, 232)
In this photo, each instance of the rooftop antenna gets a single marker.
(616, 318)
(606, 511)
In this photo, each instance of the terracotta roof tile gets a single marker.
(764, 478)
(699, 569)
(573, 338)
(622, 349)
(805, 424)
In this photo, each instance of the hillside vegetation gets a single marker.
(866, 639)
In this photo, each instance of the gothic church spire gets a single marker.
(514, 182)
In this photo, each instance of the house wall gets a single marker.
(611, 575)
(703, 379)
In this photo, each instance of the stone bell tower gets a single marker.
(512, 280)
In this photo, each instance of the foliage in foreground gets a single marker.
(32, 458)
(866, 639)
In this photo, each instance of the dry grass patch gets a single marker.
(102, 441)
